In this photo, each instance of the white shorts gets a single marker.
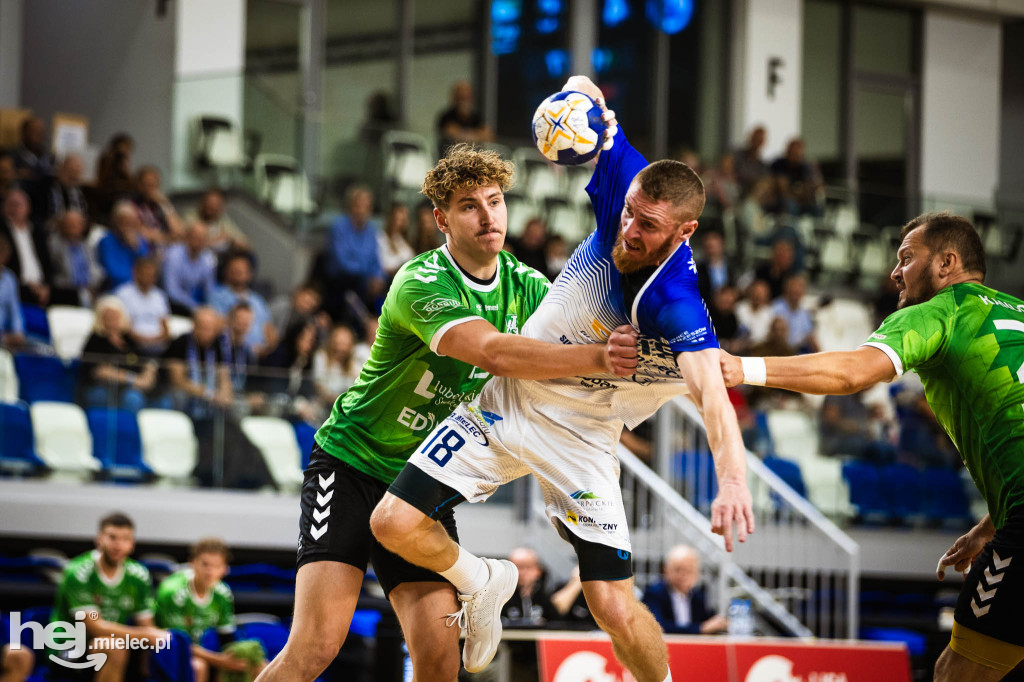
(511, 431)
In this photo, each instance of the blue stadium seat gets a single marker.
(17, 451)
(273, 636)
(865, 490)
(915, 641)
(173, 664)
(37, 325)
(304, 434)
(248, 577)
(364, 622)
(116, 443)
(696, 471)
(788, 471)
(45, 378)
(944, 496)
(901, 490)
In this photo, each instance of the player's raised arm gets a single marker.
(832, 373)
(732, 506)
(478, 343)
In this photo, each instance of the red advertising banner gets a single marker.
(590, 659)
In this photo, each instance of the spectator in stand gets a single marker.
(114, 371)
(571, 604)
(237, 278)
(755, 312)
(76, 273)
(798, 318)
(723, 316)
(777, 341)
(380, 118)
(195, 600)
(147, 306)
(750, 169)
(426, 229)
(678, 603)
(392, 247)
(779, 268)
(293, 388)
(240, 356)
(32, 162)
(529, 247)
(849, 427)
(190, 270)
(113, 590)
(30, 259)
(123, 245)
(723, 188)
(65, 192)
(114, 171)
(556, 255)
(160, 222)
(691, 159)
(8, 180)
(530, 605)
(461, 122)
(223, 234)
(12, 324)
(304, 302)
(797, 182)
(335, 367)
(353, 263)
(713, 269)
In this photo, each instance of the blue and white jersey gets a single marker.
(587, 302)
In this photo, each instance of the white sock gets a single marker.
(469, 573)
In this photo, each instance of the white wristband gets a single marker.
(755, 372)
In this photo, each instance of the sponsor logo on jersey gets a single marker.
(429, 307)
(412, 419)
(876, 335)
(589, 500)
(467, 425)
(583, 520)
(694, 336)
(584, 495)
(512, 324)
(483, 415)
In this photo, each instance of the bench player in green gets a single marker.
(451, 320)
(195, 600)
(105, 581)
(966, 341)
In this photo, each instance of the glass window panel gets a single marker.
(883, 40)
(821, 91)
(348, 18)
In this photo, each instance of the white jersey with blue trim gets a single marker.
(587, 302)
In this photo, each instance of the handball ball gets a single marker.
(567, 128)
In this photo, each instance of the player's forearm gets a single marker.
(724, 439)
(510, 355)
(833, 373)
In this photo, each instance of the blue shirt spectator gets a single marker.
(352, 248)
(798, 318)
(11, 321)
(190, 268)
(118, 251)
(262, 338)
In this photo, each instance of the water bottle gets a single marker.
(741, 620)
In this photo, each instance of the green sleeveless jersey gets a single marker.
(405, 388)
(177, 606)
(121, 599)
(967, 344)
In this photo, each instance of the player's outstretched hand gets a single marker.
(732, 369)
(589, 88)
(620, 352)
(732, 508)
(964, 551)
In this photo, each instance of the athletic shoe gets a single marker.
(480, 615)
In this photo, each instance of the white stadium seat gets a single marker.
(169, 444)
(63, 440)
(794, 434)
(826, 488)
(179, 325)
(70, 327)
(8, 378)
(276, 440)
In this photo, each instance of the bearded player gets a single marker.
(966, 341)
(450, 321)
(636, 268)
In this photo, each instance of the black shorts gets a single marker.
(992, 597)
(337, 501)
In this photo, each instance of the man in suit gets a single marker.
(30, 259)
(678, 604)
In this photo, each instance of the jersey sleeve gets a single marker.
(535, 288)
(615, 169)
(145, 605)
(912, 336)
(685, 324)
(226, 617)
(77, 594)
(168, 614)
(428, 305)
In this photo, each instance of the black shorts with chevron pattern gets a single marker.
(992, 599)
(336, 502)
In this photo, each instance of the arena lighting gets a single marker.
(670, 16)
(615, 12)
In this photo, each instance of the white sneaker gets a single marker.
(480, 615)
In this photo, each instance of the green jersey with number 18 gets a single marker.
(406, 388)
(967, 344)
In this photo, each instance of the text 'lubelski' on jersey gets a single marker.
(405, 389)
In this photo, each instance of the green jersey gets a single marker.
(121, 599)
(406, 388)
(177, 606)
(967, 344)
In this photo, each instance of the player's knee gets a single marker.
(310, 658)
(614, 611)
(393, 520)
(200, 670)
